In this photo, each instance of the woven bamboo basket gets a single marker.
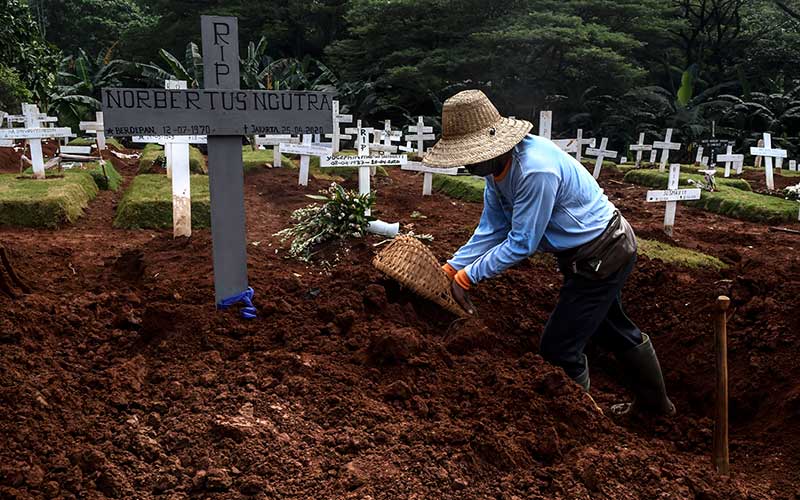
(413, 265)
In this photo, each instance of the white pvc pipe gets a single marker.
(384, 228)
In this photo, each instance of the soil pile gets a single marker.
(118, 379)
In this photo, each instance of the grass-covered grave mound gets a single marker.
(153, 152)
(733, 197)
(49, 203)
(147, 204)
(107, 178)
(91, 141)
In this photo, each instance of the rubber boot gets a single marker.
(583, 379)
(643, 372)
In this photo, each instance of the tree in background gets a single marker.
(23, 49)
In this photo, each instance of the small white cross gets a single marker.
(420, 133)
(768, 153)
(672, 195)
(600, 153)
(666, 146)
(337, 137)
(730, 159)
(306, 149)
(427, 174)
(276, 140)
(639, 148)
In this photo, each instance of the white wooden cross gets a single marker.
(768, 153)
(666, 146)
(580, 141)
(96, 127)
(306, 149)
(793, 165)
(698, 159)
(33, 133)
(600, 153)
(427, 174)
(573, 145)
(546, 124)
(364, 161)
(672, 195)
(420, 133)
(276, 140)
(730, 159)
(383, 139)
(640, 147)
(337, 137)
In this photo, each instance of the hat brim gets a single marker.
(478, 146)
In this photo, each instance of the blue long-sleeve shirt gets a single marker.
(545, 201)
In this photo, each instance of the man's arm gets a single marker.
(533, 207)
(492, 229)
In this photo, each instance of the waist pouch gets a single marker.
(604, 255)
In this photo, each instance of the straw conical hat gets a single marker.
(473, 131)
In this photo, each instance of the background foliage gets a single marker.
(612, 67)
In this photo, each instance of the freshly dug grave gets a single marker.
(118, 378)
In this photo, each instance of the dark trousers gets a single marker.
(588, 309)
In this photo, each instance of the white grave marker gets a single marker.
(420, 133)
(672, 195)
(665, 146)
(546, 124)
(276, 141)
(768, 154)
(730, 159)
(698, 159)
(600, 153)
(793, 165)
(96, 127)
(33, 133)
(337, 137)
(580, 141)
(306, 149)
(427, 174)
(639, 148)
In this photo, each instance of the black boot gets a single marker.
(643, 372)
(583, 379)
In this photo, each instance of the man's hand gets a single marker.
(461, 297)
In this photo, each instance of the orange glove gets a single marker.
(463, 280)
(450, 270)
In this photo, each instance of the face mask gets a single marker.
(485, 168)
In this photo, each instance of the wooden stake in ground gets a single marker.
(546, 124)
(730, 159)
(768, 153)
(698, 159)
(757, 161)
(721, 458)
(666, 146)
(427, 174)
(672, 195)
(224, 113)
(600, 153)
(793, 165)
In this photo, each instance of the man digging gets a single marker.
(537, 197)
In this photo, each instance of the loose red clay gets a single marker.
(118, 378)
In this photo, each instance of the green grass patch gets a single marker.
(106, 180)
(49, 203)
(147, 204)
(461, 187)
(90, 141)
(197, 162)
(733, 198)
(678, 256)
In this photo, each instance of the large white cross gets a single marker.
(306, 149)
(640, 147)
(672, 195)
(33, 133)
(337, 137)
(768, 153)
(546, 124)
(600, 153)
(730, 159)
(666, 146)
(420, 133)
(427, 174)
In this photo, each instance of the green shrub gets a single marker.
(12, 91)
(151, 152)
(50, 202)
(147, 204)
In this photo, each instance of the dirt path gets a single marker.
(119, 379)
